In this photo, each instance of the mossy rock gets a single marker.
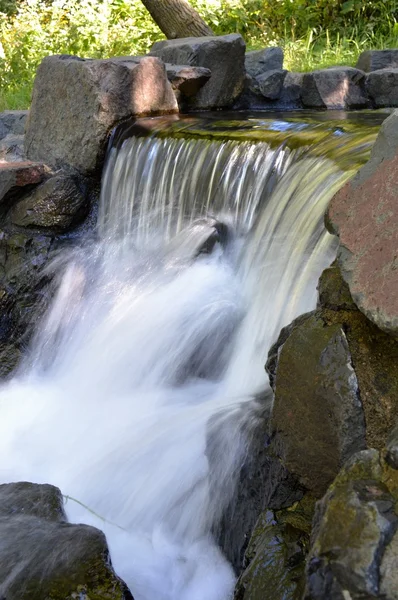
(275, 558)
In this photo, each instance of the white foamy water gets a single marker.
(147, 339)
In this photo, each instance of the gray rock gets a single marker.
(42, 556)
(42, 501)
(317, 415)
(389, 571)
(335, 88)
(57, 204)
(260, 482)
(291, 92)
(270, 84)
(223, 55)
(382, 87)
(187, 80)
(76, 103)
(353, 526)
(20, 174)
(364, 216)
(12, 148)
(289, 96)
(373, 60)
(12, 122)
(260, 61)
(392, 448)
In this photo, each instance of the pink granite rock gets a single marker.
(364, 214)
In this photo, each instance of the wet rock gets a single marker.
(382, 87)
(12, 148)
(270, 84)
(76, 102)
(42, 556)
(223, 55)
(57, 204)
(364, 214)
(317, 415)
(42, 501)
(19, 174)
(12, 122)
(354, 526)
(262, 480)
(258, 62)
(187, 80)
(335, 88)
(333, 292)
(374, 356)
(373, 60)
(275, 557)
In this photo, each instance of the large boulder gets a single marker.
(317, 415)
(258, 62)
(76, 103)
(335, 88)
(364, 214)
(58, 204)
(354, 551)
(223, 55)
(335, 377)
(373, 60)
(382, 86)
(42, 556)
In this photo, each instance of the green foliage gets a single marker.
(314, 33)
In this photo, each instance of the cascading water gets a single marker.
(205, 250)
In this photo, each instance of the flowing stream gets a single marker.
(205, 248)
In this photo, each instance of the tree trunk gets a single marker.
(177, 18)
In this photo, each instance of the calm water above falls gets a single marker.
(210, 239)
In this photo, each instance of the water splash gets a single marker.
(152, 332)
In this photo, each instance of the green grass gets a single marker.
(313, 33)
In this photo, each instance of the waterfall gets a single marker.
(204, 250)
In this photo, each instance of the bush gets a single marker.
(32, 29)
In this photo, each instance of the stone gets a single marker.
(288, 98)
(77, 102)
(333, 292)
(187, 80)
(12, 122)
(270, 84)
(12, 148)
(261, 481)
(275, 557)
(382, 87)
(335, 88)
(318, 418)
(258, 62)
(223, 55)
(58, 204)
(42, 556)
(291, 92)
(364, 214)
(42, 501)
(353, 541)
(373, 60)
(20, 174)
(392, 448)
(389, 570)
